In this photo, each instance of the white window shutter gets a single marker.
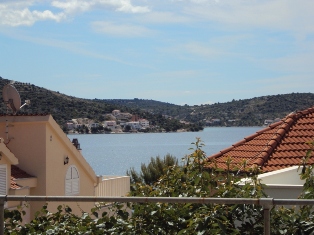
(3, 179)
(75, 186)
(72, 181)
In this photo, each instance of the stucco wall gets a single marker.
(40, 146)
(26, 141)
(58, 147)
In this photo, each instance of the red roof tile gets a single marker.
(278, 146)
(17, 173)
(14, 185)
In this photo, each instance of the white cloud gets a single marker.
(74, 6)
(125, 30)
(164, 17)
(18, 13)
(281, 14)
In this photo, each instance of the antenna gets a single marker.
(12, 98)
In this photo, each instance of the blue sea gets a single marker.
(114, 154)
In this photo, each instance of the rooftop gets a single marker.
(17, 173)
(17, 176)
(281, 145)
(14, 185)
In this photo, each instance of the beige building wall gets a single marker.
(40, 146)
(7, 158)
(25, 139)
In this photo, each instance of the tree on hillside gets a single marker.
(127, 128)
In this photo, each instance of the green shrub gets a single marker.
(191, 179)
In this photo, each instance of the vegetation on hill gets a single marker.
(63, 107)
(188, 180)
(150, 106)
(253, 111)
(247, 112)
(169, 117)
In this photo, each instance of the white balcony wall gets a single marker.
(112, 186)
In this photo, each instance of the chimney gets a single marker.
(76, 144)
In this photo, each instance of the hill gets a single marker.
(253, 111)
(247, 112)
(63, 107)
(151, 106)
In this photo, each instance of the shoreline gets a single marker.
(179, 131)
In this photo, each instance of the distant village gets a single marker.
(115, 122)
(234, 122)
(122, 122)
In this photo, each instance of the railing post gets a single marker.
(267, 204)
(2, 198)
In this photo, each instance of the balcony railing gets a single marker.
(266, 203)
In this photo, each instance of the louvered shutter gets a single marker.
(75, 181)
(68, 188)
(72, 181)
(3, 179)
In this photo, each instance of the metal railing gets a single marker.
(266, 203)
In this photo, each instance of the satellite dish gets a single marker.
(11, 98)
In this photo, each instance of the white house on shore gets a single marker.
(110, 124)
(144, 123)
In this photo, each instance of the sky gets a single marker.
(178, 51)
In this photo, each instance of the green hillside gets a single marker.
(63, 107)
(250, 112)
(247, 112)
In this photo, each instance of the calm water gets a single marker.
(113, 154)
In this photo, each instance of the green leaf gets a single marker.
(50, 231)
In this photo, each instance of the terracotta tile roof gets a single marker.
(14, 185)
(17, 173)
(281, 145)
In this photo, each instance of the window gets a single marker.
(72, 181)
(3, 179)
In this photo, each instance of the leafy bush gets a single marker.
(191, 179)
